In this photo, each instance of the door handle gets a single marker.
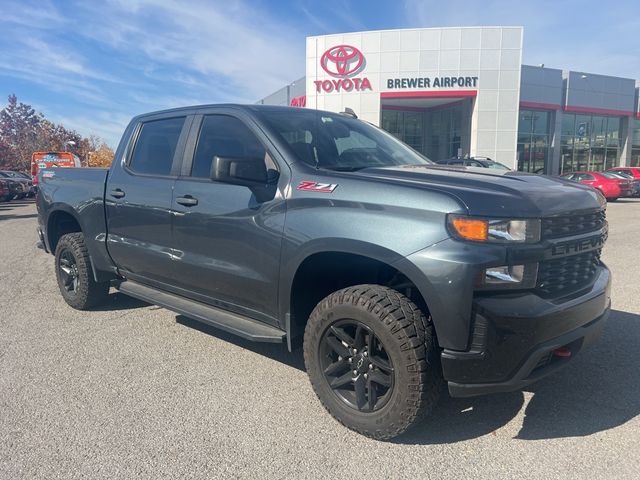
(187, 201)
(117, 193)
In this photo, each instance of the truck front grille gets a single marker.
(568, 225)
(566, 275)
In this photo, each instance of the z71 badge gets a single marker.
(317, 187)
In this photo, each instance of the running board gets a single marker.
(229, 322)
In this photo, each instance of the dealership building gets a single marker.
(463, 91)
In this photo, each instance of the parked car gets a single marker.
(25, 184)
(317, 229)
(480, 162)
(17, 188)
(611, 185)
(5, 193)
(635, 181)
(633, 171)
(32, 187)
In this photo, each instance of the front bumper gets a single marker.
(514, 338)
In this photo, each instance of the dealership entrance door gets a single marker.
(437, 127)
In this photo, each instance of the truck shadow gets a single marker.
(274, 351)
(119, 301)
(599, 390)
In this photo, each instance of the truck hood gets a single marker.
(488, 192)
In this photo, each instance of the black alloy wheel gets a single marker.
(68, 268)
(372, 359)
(356, 365)
(75, 276)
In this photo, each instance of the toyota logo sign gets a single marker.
(342, 61)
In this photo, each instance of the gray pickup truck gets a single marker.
(296, 225)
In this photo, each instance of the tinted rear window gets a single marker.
(156, 146)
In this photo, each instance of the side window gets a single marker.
(456, 162)
(224, 136)
(156, 146)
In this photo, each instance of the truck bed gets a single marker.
(79, 193)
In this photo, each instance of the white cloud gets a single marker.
(248, 49)
(104, 62)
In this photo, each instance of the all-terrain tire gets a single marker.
(86, 293)
(408, 340)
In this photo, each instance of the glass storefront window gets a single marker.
(635, 144)
(533, 140)
(613, 132)
(445, 133)
(568, 125)
(391, 122)
(612, 158)
(414, 129)
(540, 122)
(589, 142)
(583, 131)
(599, 131)
(406, 126)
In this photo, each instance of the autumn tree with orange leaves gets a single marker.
(24, 131)
(101, 157)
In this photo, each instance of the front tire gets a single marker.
(75, 276)
(372, 360)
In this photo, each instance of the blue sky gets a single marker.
(92, 65)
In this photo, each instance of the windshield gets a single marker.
(10, 174)
(497, 166)
(614, 176)
(620, 173)
(337, 142)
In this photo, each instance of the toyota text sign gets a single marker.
(343, 62)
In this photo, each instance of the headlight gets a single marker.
(496, 230)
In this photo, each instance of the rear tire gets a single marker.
(75, 276)
(372, 360)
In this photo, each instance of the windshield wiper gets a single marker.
(345, 169)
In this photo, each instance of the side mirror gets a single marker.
(247, 171)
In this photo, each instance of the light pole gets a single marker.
(293, 84)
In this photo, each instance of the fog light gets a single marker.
(508, 276)
(504, 274)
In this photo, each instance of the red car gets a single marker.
(633, 171)
(611, 185)
(628, 174)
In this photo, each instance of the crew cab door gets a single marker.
(138, 200)
(227, 236)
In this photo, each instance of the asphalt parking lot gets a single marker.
(132, 390)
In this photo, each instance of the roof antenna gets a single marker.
(349, 112)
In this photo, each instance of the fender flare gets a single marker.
(338, 245)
